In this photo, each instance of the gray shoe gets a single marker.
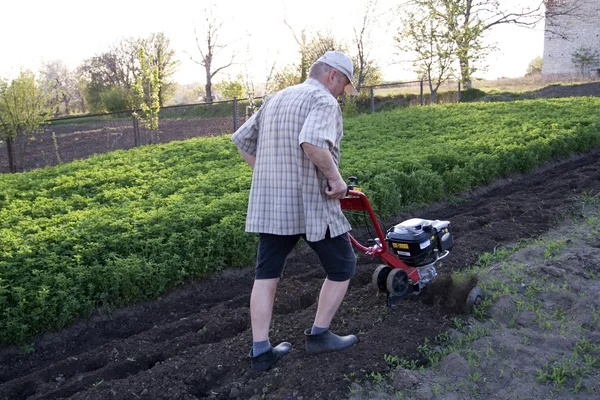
(327, 341)
(264, 361)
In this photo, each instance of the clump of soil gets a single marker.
(448, 294)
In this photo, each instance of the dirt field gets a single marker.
(193, 343)
(82, 140)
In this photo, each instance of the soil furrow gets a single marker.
(193, 343)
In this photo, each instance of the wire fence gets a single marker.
(77, 137)
(405, 94)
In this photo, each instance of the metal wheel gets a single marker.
(397, 282)
(475, 297)
(380, 277)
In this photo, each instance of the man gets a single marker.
(292, 144)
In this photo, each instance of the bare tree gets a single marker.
(301, 41)
(60, 87)
(468, 20)
(362, 40)
(310, 50)
(426, 36)
(209, 50)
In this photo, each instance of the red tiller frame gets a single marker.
(357, 201)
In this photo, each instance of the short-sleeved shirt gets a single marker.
(288, 196)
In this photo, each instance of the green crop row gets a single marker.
(419, 155)
(129, 225)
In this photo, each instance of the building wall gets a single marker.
(581, 31)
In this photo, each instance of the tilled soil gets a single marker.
(538, 337)
(193, 343)
(69, 142)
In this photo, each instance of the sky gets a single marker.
(38, 31)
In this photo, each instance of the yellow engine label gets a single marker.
(399, 245)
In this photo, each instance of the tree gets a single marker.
(187, 94)
(584, 57)
(434, 47)
(535, 66)
(468, 20)
(160, 55)
(210, 50)
(147, 88)
(288, 76)
(60, 87)
(114, 71)
(231, 89)
(22, 110)
(367, 70)
(311, 50)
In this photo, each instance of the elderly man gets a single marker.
(292, 144)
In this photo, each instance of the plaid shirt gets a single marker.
(288, 191)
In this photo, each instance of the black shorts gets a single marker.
(336, 255)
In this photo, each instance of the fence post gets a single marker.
(421, 85)
(235, 114)
(136, 132)
(458, 91)
(372, 100)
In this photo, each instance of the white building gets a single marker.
(564, 34)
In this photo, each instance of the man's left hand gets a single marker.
(336, 189)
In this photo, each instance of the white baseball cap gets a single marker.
(342, 63)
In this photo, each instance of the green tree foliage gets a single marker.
(147, 87)
(231, 89)
(22, 110)
(288, 76)
(424, 35)
(535, 66)
(187, 94)
(584, 57)
(159, 54)
(116, 99)
(114, 72)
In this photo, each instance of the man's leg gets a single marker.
(339, 261)
(261, 307)
(330, 298)
(272, 253)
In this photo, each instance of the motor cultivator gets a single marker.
(409, 249)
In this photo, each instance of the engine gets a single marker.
(419, 242)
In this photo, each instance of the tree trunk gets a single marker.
(67, 101)
(434, 97)
(12, 167)
(303, 69)
(208, 87)
(464, 73)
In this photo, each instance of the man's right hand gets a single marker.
(336, 189)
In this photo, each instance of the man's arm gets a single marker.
(324, 161)
(250, 159)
